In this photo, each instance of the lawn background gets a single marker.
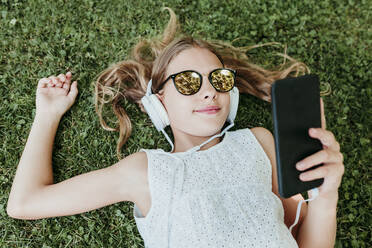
(43, 38)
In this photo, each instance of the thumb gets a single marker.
(73, 91)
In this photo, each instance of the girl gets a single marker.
(215, 188)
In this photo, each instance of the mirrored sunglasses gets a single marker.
(189, 82)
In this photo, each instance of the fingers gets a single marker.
(317, 173)
(43, 83)
(61, 81)
(322, 156)
(65, 80)
(54, 80)
(73, 91)
(68, 76)
(326, 137)
(68, 80)
(330, 170)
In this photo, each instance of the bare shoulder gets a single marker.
(264, 136)
(133, 170)
(136, 162)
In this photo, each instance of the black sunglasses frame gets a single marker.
(173, 76)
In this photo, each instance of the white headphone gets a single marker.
(158, 114)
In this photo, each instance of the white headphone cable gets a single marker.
(314, 194)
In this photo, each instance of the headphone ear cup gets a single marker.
(156, 111)
(234, 102)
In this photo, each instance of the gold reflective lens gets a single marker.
(222, 80)
(188, 82)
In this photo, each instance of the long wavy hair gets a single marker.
(128, 79)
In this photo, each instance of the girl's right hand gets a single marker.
(54, 95)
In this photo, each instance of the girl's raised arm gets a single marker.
(33, 194)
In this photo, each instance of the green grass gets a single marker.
(43, 38)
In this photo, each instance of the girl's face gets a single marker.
(184, 120)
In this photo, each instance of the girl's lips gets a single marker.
(209, 108)
(209, 112)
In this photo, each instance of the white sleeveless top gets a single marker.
(219, 197)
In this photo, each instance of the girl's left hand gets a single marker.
(331, 157)
(55, 95)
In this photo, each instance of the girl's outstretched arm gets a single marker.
(54, 97)
(33, 194)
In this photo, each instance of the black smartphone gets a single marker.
(295, 105)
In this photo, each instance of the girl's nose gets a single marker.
(207, 90)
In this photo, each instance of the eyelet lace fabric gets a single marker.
(219, 197)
